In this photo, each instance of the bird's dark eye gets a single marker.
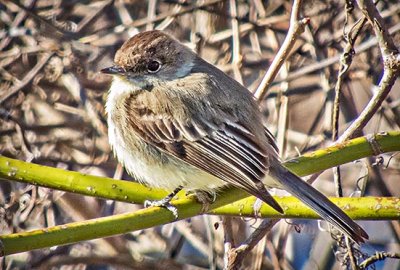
(153, 66)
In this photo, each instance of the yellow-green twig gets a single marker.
(365, 208)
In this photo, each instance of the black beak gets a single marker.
(113, 70)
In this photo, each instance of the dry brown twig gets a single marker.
(295, 29)
(378, 256)
(236, 55)
(334, 59)
(27, 79)
(236, 255)
(391, 71)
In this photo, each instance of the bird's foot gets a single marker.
(165, 202)
(204, 197)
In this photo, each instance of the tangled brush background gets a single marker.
(52, 113)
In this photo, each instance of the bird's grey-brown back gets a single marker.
(233, 98)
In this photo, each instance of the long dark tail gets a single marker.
(318, 202)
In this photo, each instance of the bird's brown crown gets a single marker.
(147, 46)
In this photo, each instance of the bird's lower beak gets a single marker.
(113, 70)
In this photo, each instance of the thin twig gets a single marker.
(350, 253)
(334, 59)
(245, 27)
(254, 40)
(144, 21)
(90, 17)
(391, 60)
(31, 74)
(345, 61)
(379, 256)
(151, 13)
(236, 56)
(295, 29)
(33, 15)
(18, 19)
(229, 242)
(237, 254)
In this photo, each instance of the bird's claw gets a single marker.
(164, 204)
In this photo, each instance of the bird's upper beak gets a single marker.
(113, 70)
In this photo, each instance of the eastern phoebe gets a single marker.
(176, 121)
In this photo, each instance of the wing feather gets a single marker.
(227, 150)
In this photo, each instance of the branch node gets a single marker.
(376, 149)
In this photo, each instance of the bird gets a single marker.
(176, 121)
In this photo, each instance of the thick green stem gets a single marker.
(364, 208)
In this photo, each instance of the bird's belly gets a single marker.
(150, 166)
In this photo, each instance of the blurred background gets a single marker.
(52, 113)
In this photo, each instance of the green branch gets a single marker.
(103, 187)
(187, 207)
(364, 208)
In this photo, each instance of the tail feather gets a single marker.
(318, 202)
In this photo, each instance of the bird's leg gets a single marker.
(166, 202)
(204, 197)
